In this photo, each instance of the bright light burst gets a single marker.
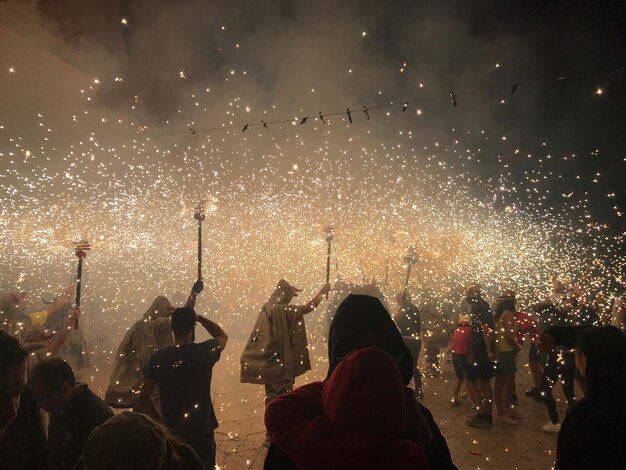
(130, 189)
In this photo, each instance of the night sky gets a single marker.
(516, 189)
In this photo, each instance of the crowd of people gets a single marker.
(362, 415)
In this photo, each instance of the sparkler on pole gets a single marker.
(410, 259)
(330, 234)
(80, 250)
(199, 215)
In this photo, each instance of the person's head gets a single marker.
(283, 293)
(361, 321)
(472, 291)
(52, 384)
(505, 303)
(12, 304)
(12, 378)
(600, 358)
(133, 440)
(184, 323)
(160, 307)
(465, 319)
(568, 303)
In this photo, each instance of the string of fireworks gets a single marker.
(350, 111)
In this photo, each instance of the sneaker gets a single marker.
(514, 414)
(505, 419)
(551, 427)
(480, 421)
(532, 392)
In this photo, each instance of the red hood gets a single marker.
(354, 420)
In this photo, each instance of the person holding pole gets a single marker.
(276, 352)
(183, 373)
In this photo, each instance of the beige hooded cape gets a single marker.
(277, 349)
(147, 335)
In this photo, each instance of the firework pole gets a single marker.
(199, 215)
(410, 259)
(330, 234)
(80, 250)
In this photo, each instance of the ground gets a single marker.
(239, 408)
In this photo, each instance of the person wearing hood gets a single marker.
(276, 352)
(363, 415)
(147, 335)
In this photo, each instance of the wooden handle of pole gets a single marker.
(199, 249)
(79, 275)
(328, 265)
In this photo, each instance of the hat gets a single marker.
(506, 294)
(474, 287)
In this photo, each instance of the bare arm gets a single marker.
(191, 300)
(214, 330)
(487, 337)
(60, 303)
(145, 404)
(315, 301)
(509, 330)
(198, 286)
(60, 339)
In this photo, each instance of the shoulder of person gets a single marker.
(211, 345)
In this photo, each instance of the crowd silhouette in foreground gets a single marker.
(363, 415)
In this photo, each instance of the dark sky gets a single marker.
(450, 45)
(552, 154)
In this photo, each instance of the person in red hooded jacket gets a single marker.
(363, 415)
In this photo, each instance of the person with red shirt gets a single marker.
(460, 346)
(528, 327)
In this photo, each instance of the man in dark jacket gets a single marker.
(481, 355)
(22, 436)
(74, 410)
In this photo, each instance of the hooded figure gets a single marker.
(147, 335)
(362, 415)
(396, 421)
(133, 440)
(277, 351)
